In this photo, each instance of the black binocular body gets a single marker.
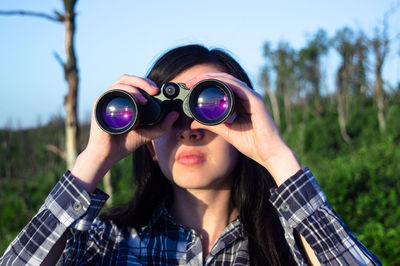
(210, 102)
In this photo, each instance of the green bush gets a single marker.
(363, 188)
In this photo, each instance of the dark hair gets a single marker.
(250, 188)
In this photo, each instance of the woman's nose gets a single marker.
(184, 132)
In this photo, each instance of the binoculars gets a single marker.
(210, 102)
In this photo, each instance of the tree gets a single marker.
(380, 48)
(70, 73)
(266, 84)
(309, 65)
(359, 83)
(283, 61)
(342, 42)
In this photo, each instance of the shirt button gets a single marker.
(285, 207)
(77, 206)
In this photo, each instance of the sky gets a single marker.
(127, 36)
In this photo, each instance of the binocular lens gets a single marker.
(118, 113)
(211, 103)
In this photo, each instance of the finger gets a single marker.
(220, 129)
(230, 80)
(145, 84)
(215, 75)
(166, 124)
(135, 92)
(161, 128)
(201, 77)
(239, 88)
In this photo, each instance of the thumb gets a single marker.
(220, 129)
(154, 131)
(165, 125)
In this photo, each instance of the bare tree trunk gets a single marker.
(380, 45)
(342, 117)
(379, 99)
(71, 76)
(288, 111)
(70, 73)
(342, 113)
(316, 86)
(274, 105)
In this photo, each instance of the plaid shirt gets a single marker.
(300, 202)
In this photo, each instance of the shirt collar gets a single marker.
(161, 213)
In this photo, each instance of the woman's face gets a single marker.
(195, 159)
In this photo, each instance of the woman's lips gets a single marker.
(190, 158)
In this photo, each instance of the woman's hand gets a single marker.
(253, 131)
(104, 150)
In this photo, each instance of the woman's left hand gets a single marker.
(253, 132)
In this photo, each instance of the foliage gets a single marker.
(363, 186)
(349, 136)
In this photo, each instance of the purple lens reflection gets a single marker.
(118, 113)
(211, 103)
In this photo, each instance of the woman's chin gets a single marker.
(200, 182)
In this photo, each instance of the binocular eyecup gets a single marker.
(210, 102)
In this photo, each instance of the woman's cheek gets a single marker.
(165, 155)
(231, 155)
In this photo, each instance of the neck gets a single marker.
(207, 211)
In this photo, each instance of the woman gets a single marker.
(225, 194)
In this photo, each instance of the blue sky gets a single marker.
(122, 36)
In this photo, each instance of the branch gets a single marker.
(59, 59)
(56, 150)
(389, 86)
(57, 17)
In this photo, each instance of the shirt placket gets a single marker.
(194, 255)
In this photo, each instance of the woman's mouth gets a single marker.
(190, 158)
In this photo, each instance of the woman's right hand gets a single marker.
(104, 150)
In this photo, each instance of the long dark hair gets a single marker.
(251, 184)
